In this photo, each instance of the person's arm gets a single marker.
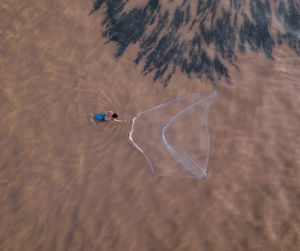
(120, 121)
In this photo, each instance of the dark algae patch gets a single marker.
(289, 16)
(256, 33)
(165, 47)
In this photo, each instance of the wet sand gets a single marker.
(66, 184)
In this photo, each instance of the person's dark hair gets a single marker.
(114, 115)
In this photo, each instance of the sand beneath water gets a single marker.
(66, 184)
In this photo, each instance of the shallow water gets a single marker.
(66, 184)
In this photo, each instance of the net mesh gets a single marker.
(174, 137)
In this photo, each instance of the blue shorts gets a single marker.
(100, 117)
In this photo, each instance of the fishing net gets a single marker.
(174, 137)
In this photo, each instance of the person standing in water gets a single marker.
(108, 116)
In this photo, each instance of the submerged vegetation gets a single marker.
(164, 48)
(289, 15)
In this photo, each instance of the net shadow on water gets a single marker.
(165, 48)
(174, 137)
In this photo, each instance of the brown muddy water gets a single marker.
(66, 184)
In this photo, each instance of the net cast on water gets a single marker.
(174, 137)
